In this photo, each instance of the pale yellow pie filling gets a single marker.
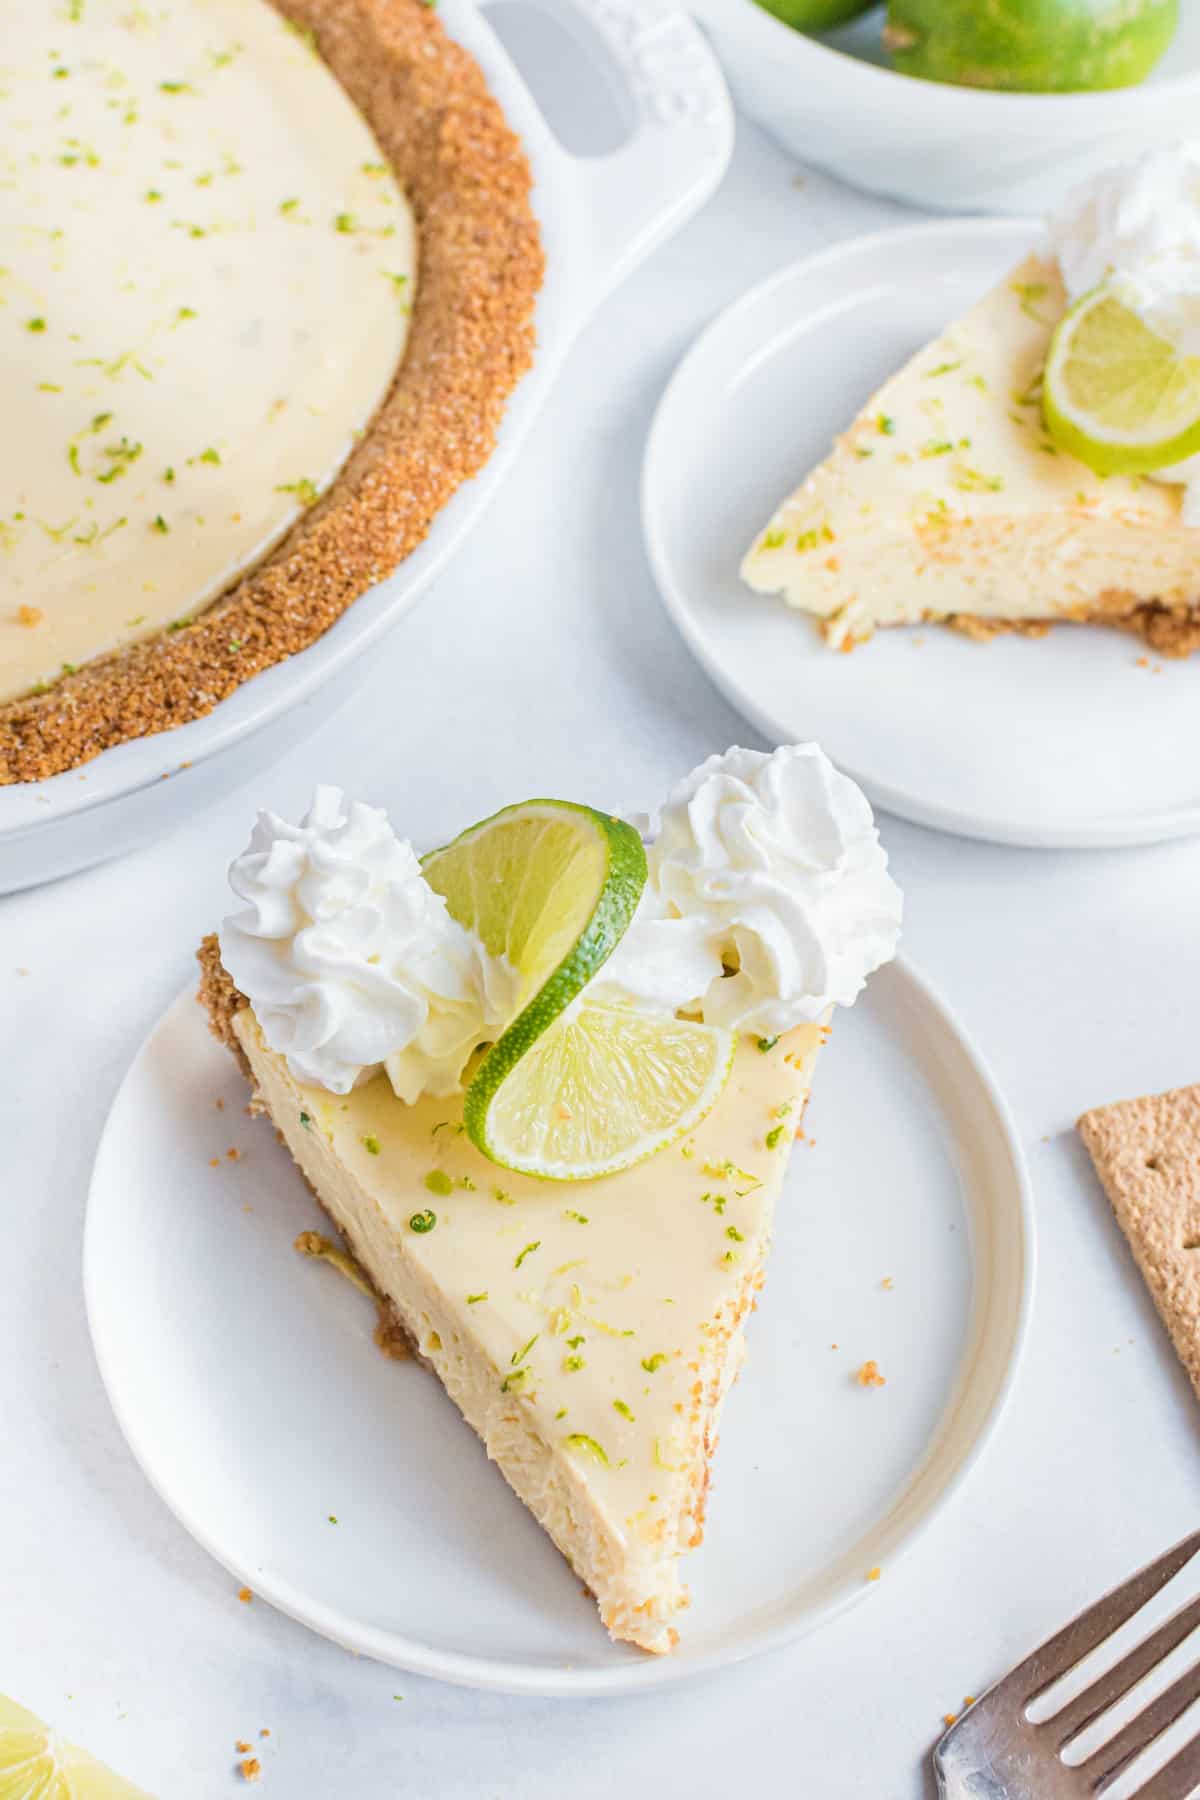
(206, 273)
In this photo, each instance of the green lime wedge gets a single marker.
(1115, 394)
(569, 1091)
(603, 1088)
(551, 887)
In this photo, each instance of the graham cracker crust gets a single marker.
(1172, 631)
(471, 339)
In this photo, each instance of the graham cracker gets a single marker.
(1147, 1154)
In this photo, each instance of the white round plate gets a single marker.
(1077, 740)
(248, 1386)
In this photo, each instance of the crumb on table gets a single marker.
(245, 1596)
(250, 1769)
(869, 1377)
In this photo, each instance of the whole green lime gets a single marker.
(1030, 46)
(815, 15)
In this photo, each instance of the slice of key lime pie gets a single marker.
(546, 1083)
(1037, 462)
(222, 222)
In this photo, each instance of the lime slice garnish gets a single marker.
(548, 885)
(36, 1765)
(603, 1088)
(552, 887)
(1116, 394)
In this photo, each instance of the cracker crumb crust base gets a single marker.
(481, 265)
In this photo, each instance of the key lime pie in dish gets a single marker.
(546, 1083)
(1039, 460)
(268, 280)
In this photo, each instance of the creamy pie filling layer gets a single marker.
(207, 271)
(588, 1331)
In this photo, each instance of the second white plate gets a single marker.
(347, 1490)
(1077, 740)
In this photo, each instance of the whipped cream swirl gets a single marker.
(768, 899)
(1138, 226)
(351, 961)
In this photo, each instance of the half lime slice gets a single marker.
(604, 1088)
(1116, 394)
(36, 1765)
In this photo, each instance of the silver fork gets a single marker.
(995, 1753)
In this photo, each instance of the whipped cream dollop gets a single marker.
(1138, 226)
(769, 866)
(349, 958)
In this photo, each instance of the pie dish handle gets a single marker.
(682, 138)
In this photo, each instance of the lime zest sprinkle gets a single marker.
(624, 1410)
(35, 325)
(579, 1440)
(371, 1144)
(518, 1356)
(438, 1182)
(422, 1222)
(944, 369)
(306, 1121)
(579, 1218)
(504, 1198)
(731, 1231)
(652, 1364)
(527, 1251)
(561, 1413)
(1027, 293)
(973, 481)
(766, 1044)
(160, 524)
(306, 491)
(474, 1299)
(574, 1343)
(773, 1136)
(572, 1364)
(885, 426)
(774, 540)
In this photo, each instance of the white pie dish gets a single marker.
(951, 148)
(433, 1565)
(1079, 740)
(599, 216)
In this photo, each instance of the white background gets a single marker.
(543, 663)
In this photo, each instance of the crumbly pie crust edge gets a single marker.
(471, 339)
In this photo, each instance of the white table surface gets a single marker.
(543, 663)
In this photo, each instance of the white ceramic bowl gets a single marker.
(952, 148)
(599, 216)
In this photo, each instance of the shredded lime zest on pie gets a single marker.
(1116, 394)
